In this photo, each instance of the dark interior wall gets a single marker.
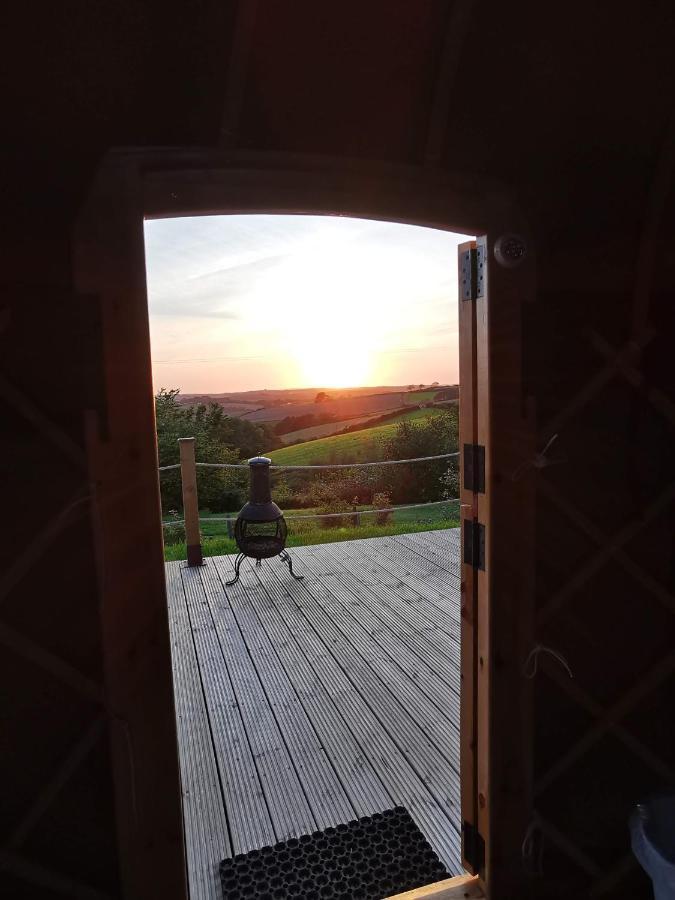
(56, 818)
(605, 580)
(569, 108)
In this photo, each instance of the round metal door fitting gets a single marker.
(510, 250)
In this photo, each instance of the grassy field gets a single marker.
(414, 414)
(312, 432)
(357, 446)
(433, 519)
(421, 396)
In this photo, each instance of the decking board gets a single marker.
(325, 795)
(305, 704)
(379, 684)
(360, 779)
(412, 616)
(445, 555)
(396, 767)
(364, 611)
(440, 587)
(288, 807)
(392, 667)
(244, 800)
(205, 818)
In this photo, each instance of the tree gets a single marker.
(382, 500)
(450, 483)
(219, 489)
(321, 397)
(420, 482)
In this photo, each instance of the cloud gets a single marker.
(220, 294)
(247, 269)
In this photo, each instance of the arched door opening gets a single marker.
(330, 346)
(122, 451)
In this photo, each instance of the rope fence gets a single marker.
(192, 520)
(354, 465)
(342, 515)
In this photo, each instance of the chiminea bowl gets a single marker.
(260, 538)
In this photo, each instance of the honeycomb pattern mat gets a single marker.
(366, 859)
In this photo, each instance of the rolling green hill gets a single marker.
(358, 446)
(312, 432)
(420, 396)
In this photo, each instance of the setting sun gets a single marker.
(329, 314)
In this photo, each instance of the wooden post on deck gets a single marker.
(188, 474)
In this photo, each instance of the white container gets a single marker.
(652, 831)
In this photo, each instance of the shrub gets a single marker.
(421, 482)
(336, 505)
(282, 493)
(382, 500)
(450, 482)
(174, 532)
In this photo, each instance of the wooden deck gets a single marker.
(303, 704)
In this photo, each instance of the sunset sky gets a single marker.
(251, 302)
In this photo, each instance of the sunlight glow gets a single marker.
(330, 314)
(244, 302)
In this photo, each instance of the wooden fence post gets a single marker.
(188, 474)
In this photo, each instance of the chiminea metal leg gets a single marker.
(237, 565)
(287, 559)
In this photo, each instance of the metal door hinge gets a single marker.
(473, 847)
(474, 544)
(473, 270)
(481, 270)
(474, 468)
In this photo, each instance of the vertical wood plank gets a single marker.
(483, 661)
(122, 455)
(467, 435)
(188, 474)
(509, 509)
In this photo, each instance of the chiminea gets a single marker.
(260, 530)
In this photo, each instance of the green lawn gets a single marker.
(212, 526)
(433, 519)
(357, 446)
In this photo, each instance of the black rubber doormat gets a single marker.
(367, 859)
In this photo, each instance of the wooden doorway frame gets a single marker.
(109, 268)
